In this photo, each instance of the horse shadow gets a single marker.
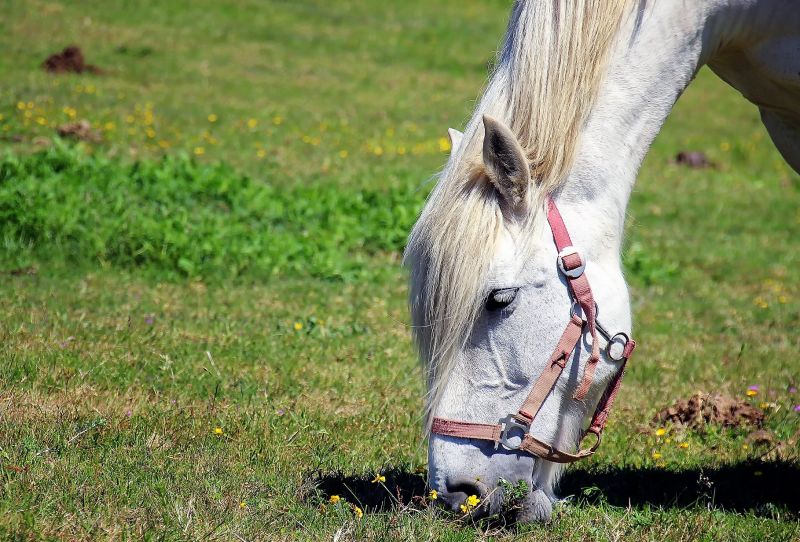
(763, 489)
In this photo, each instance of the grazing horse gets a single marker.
(548, 159)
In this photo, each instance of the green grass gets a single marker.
(377, 84)
(176, 217)
(117, 361)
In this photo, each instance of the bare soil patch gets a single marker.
(693, 159)
(70, 60)
(80, 130)
(703, 408)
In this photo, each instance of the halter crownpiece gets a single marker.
(572, 265)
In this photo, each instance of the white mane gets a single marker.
(549, 70)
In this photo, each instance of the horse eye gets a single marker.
(500, 299)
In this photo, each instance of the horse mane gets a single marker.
(549, 70)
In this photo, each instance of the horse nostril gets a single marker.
(460, 490)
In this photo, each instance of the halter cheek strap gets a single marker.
(572, 265)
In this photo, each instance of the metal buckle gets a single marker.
(511, 422)
(571, 273)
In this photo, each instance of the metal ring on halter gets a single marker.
(573, 310)
(611, 340)
(624, 341)
(596, 433)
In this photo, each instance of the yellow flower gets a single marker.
(401, 150)
(660, 432)
(21, 106)
(725, 146)
(471, 502)
(199, 151)
(378, 151)
(298, 326)
(109, 126)
(444, 144)
(252, 123)
(41, 121)
(130, 119)
(343, 153)
(752, 393)
(261, 153)
(242, 505)
(150, 133)
(657, 455)
(358, 512)
(218, 430)
(379, 478)
(276, 120)
(164, 144)
(334, 499)
(745, 446)
(684, 445)
(212, 118)
(433, 494)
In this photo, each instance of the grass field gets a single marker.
(152, 387)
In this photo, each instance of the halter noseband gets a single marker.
(571, 264)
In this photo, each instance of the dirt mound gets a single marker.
(704, 408)
(70, 60)
(693, 159)
(81, 130)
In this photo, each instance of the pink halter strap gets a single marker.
(572, 265)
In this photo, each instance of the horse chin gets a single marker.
(537, 507)
(457, 469)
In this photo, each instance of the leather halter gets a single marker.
(571, 264)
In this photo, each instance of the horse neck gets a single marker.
(660, 49)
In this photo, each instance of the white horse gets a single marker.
(580, 90)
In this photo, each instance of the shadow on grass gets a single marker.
(762, 488)
(400, 488)
(758, 487)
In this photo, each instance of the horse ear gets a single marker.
(455, 139)
(505, 162)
